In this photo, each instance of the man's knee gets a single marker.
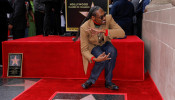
(112, 51)
(101, 63)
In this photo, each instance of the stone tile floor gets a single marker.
(69, 96)
(10, 88)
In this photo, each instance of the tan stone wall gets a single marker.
(159, 4)
(160, 1)
(159, 38)
(173, 2)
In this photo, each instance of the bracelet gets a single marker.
(106, 34)
(92, 59)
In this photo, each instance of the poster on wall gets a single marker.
(15, 65)
(77, 10)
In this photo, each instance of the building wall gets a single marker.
(159, 37)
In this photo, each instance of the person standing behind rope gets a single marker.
(96, 32)
(52, 7)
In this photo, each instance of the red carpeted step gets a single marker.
(60, 57)
(135, 90)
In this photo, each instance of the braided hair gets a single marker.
(92, 12)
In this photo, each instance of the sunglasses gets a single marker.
(101, 17)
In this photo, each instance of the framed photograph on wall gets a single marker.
(15, 61)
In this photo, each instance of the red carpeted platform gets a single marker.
(135, 90)
(60, 57)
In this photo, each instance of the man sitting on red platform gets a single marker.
(96, 33)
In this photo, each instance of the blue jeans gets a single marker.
(108, 65)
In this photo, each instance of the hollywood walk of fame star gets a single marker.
(15, 61)
(86, 12)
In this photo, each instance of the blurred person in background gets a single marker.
(5, 8)
(32, 29)
(139, 7)
(30, 18)
(123, 11)
(39, 8)
(52, 19)
(18, 19)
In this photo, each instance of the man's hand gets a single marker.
(102, 57)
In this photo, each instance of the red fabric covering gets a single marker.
(135, 90)
(60, 57)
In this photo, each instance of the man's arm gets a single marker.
(84, 44)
